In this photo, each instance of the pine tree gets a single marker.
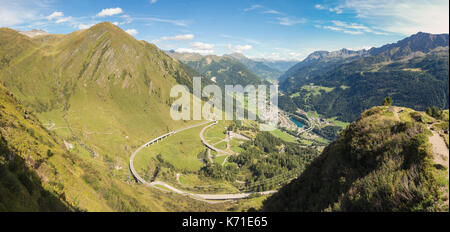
(429, 112)
(387, 101)
(436, 112)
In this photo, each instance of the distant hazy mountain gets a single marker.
(414, 71)
(282, 65)
(223, 70)
(270, 70)
(258, 67)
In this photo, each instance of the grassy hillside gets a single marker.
(381, 162)
(102, 94)
(99, 86)
(40, 173)
(27, 152)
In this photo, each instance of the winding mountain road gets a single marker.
(207, 144)
(166, 187)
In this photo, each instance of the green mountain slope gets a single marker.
(360, 80)
(382, 162)
(40, 173)
(103, 94)
(26, 155)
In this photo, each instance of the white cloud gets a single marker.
(402, 16)
(266, 10)
(127, 19)
(84, 26)
(253, 7)
(198, 47)
(332, 28)
(272, 12)
(286, 21)
(63, 20)
(285, 55)
(132, 31)
(153, 1)
(184, 37)
(350, 28)
(116, 23)
(353, 26)
(55, 14)
(320, 7)
(171, 21)
(295, 55)
(336, 9)
(239, 48)
(110, 12)
(353, 32)
(191, 50)
(20, 11)
(269, 56)
(202, 46)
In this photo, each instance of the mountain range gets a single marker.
(269, 70)
(413, 71)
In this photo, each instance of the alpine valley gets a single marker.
(85, 125)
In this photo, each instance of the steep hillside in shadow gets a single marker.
(382, 162)
(25, 151)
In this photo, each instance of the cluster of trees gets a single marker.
(237, 125)
(286, 103)
(328, 132)
(217, 171)
(267, 157)
(435, 112)
(387, 101)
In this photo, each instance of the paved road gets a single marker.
(210, 146)
(131, 163)
(166, 187)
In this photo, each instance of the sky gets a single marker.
(278, 30)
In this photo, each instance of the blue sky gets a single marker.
(282, 29)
